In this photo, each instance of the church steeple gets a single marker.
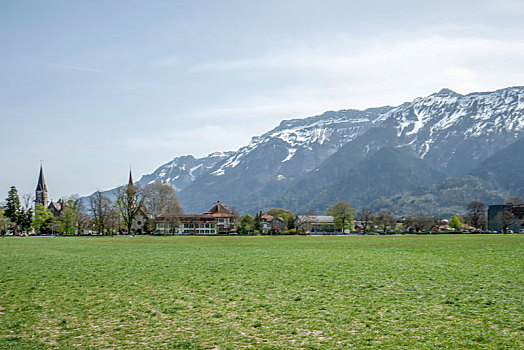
(41, 189)
(130, 179)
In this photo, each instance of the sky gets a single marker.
(91, 88)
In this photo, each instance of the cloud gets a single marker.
(67, 67)
(336, 74)
(385, 70)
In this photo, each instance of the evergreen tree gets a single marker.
(25, 220)
(257, 226)
(291, 222)
(12, 207)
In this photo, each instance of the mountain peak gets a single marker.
(447, 92)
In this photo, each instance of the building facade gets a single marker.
(218, 220)
(516, 209)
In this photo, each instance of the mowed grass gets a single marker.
(265, 292)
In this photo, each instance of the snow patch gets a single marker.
(291, 153)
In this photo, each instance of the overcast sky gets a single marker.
(90, 87)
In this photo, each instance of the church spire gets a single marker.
(40, 186)
(130, 178)
(41, 189)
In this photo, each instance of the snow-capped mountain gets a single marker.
(183, 170)
(451, 132)
(457, 131)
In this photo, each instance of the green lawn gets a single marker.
(266, 292)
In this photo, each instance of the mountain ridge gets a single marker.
(451, 132)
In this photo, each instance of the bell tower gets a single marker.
(41, 190)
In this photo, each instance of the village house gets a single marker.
(218, 220)
(272, 223)
(316, 224)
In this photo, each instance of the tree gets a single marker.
(25, 220)
(420, 222)
(85, 221)
(291, 223)
(304, 223)
(161, 199)
(128, 203)
(245, 225)
(20, 217)
(12, 207)
(68, 219)
(342, 214)
(454, 223)
(281, 213)
(366, 217)
(505, 218)
(43, 222)
(4, 223)
(257, 224)
(100, 208)
(385, 220)
(26, 213)
(476, 215)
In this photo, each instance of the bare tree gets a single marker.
(100, 208)
(366, 217)
(385, 220)
(476, 215)
(27, 201)
(161, 199)
(304, 223)
(128, 202)
(505, 218)
(84, 217)
(419, 222)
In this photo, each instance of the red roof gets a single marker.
(219, 211)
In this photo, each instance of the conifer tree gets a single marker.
(257, 226)
(12, 206)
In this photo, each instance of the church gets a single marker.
(41, 196)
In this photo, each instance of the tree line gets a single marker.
(99, 214)
(365, 221)
(103, 216)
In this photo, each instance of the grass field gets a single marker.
(267, 292)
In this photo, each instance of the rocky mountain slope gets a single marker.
(302, 162)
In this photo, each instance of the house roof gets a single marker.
(270, 218)
(55, 205)
(219, 211)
